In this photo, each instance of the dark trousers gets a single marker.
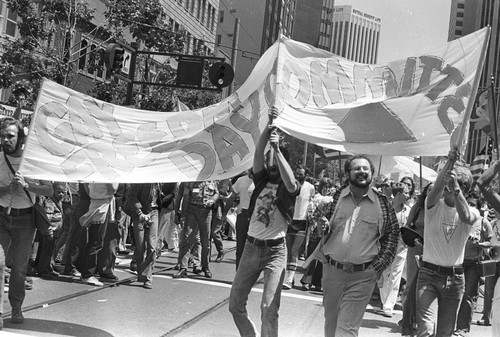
(471, 273)
(216, 232)
(96, 233)
(242, 223)
(107, 255)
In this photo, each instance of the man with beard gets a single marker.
(361, 243)
(17, 228)
(271, 210)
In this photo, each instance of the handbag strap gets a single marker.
(14, 173)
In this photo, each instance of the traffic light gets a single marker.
(221, 74)
(113, 57)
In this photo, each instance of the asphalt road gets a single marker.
(190, 307)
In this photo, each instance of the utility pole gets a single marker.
(234, 51)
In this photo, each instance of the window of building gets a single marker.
(221, 16)
(218, 39)
(460, 15)
(9, 20)
(187, 4)
(209, 16)
(458, 32)
(459, 23)
(460, 6)
(82, 61)
(198, 12)
(203, 11)
(212, 24)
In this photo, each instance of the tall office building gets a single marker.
(260, 23)
(466, 17)
(313, 22)
(356, 34)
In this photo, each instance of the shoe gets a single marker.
(29, 279)
(177, 267)
(387, 314)
(220, 256)
(147, 285)
(17, 316)
(461, 333)
(181, 274)
(287, 285)
(305, 286)
(28, 286)
(197, 270)
(133, 266)
(49, 275)
(109, 277)
(484, 322)
(208, 273)
(92, 281)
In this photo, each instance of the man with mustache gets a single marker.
(17, 227)
(361, 243)
(271, 210)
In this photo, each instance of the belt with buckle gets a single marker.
(346, 266)
(265, 243)
(17, 211)
(443, 270)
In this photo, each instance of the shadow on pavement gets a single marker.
(56, 327)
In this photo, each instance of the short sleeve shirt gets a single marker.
(266, 221)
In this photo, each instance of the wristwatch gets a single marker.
(457, 190)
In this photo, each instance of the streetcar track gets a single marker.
(91, 290)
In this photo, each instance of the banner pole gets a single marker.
(475, 86)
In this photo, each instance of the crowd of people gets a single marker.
(366, 236)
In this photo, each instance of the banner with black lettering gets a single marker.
(410, 107)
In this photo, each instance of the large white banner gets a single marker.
(409, 107)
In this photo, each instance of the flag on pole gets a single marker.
(479, 164)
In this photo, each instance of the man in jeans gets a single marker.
(448, 222)
(271, 209)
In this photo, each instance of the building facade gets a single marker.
(356, 34)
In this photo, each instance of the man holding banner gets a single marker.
(448, 222)
(17, 228)
(271, 209)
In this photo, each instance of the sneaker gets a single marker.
(147, 285)
(461, 333)
(181, 274)
(92, 281)
(387, 314)
(17, 316)
(287, 285)
(28, 286)
(208, 273)
(133, 265)
(220, 256)
(483, 322)
(73, 272)
(109, 277)
(197, 270)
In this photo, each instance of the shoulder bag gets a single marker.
(40, 219)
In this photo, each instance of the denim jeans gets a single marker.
(16, 234)
(489, 288)
(271, 260)
(198, 221)
(438, 298)
(146, 239)
(345, 297)
(466, 309)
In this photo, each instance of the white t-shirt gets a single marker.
(307, 192)
(445, 235)
(267, 222)
(244, 187)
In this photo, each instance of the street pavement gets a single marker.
(195, 306)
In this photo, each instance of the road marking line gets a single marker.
(258, 290)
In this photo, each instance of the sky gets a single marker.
(409, 27)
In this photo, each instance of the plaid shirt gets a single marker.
(388, 240)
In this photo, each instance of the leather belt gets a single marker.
(443, 270)
(17, 211)
(346, 266)
(265, 243)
